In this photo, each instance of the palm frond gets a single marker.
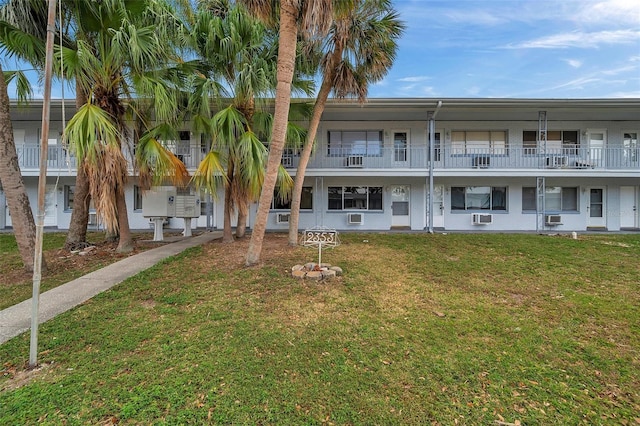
(89, 131)
(209, 174)
(24, 90)
(284, 185)
(157, 164)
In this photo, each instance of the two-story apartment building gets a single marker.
(552, 165)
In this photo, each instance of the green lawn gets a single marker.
(16, 284)
(473, 329)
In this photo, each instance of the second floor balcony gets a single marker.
(414, 158)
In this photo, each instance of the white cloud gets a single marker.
(414, 79)
(574, 63)
(474, 17)
(579, 39)
(609, 12)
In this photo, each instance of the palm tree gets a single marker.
(360, 49)
(23, 35)
(238, 56)
(313, 19)
(120, 48)
(12, 183)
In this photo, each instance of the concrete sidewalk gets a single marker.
(17, 319)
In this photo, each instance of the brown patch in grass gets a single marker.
(19, 378)
(60, 261)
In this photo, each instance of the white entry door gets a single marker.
(628, 207)
(597, 208)
(597, 143)
(400, 206)
(438, 206)
(400, 148)
(50, 206)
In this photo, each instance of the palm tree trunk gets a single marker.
(241, 228)
(227, 233)
(125, 244)
(286, 67)
(24, 227)
(318, 109)
(77, 235)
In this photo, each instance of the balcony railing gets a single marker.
(618, 158)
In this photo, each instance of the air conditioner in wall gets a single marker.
(553, 219)
(354, 218)
(557, 161)
(355, 161)
(283, 217)
(481, 219)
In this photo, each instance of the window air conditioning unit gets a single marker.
(93, 219)
(355, 161)
(287, 161)
(283, 217)
(553, 219)
(355, 218)
(481, 162)
(481, 219)
(558, 161)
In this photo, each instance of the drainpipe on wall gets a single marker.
(431, 115)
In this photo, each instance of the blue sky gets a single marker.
(516, 49)
(512, 49)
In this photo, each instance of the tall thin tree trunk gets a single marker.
(77, 235)
(286, 67)
(318, 109)
(125, 244)
(243, 211)
(24, 226)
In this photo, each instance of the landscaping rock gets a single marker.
(314, 275)
(328, 274)
(315, 272)
(337, 270)
(299, 274)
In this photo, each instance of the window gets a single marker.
(556, 198)
(479, 142)
(306, 200)
(69, 191)
(355, 198)
(137, 197)
(478, 198)
(558, 141)
(345, 143)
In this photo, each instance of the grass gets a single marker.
(421, 329)
(16, 284)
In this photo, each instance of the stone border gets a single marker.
(316, 272)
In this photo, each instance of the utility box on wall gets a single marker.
(187, 206)
(159, 201)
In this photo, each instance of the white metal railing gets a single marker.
(612, 158)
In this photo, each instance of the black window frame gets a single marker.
(371, 199)
(461, 198)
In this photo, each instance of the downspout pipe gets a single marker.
(432, 151)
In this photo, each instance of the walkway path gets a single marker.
(16, 319)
